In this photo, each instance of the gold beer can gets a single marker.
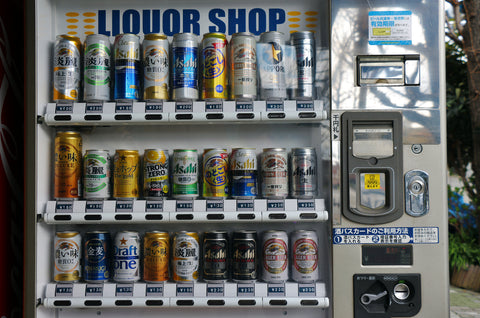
(68, 165)
(67, 251)
(156, 246)
(67, 68)
(155, 67)
(126, 167)
(186, 256)
(214, 66)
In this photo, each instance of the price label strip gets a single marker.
(64, 206)
(94, 290)
(245, 205)
(246, 290)
(215, 290)
(154, 290)
(124, 206)
(184, 206)
(306, 205)
(184, 290)
(154, 108)
(306, 290)
(94, 207)
(93, 108)
(124, 290)
(276, 290)
(215, 205)
(276, 205)
(154, 206)
(64, 290)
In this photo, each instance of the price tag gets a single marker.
(244, 106)
(184, 206)
(124, 290)
(124, 108)
(306, 205)
(94, 290)
(215, 205)
(306, 290)
(94, 108)
(124, 206)
(275, 205)
(184, 107)
(94, 206)
(246, 290)
(245, 205)
(64, 206)
(214, 106)
(154, 206)
(215, 290)
(154, 290)
(305, 105)
(64, 290)
(274, 106)
(64, 108)
(276, 290)
(151, 107)
(184, 290)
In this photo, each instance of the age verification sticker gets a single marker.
(372, 181)
(390, 27)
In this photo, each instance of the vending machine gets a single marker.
(299, 172)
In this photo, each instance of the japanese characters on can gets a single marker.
(274, 173)
(185, 174)
(156, 183)
(126, 174)
(155, 67)
(186, 256)
(67, 68)
(97, 68)
(67, 253)
(127, 67)
(185, 83)
(156, 253)
(68, 165)
(96, 175)
(97, 257)
(215, 173)
(126, 257)
(304, 43)
(303, 169)
(243, 170)
(214, 66)
(243, 67)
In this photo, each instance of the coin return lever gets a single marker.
(388, 70)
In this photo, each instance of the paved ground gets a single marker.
(464, 303)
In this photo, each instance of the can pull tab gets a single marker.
(366, 298)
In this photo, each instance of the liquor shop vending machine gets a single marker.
(197, 158)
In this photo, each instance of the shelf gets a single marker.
(142, 113)
(184, 211)
(199, 294)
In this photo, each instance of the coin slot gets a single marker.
(154, 302)
(122, 302)
(62, 217)
(246, 216)
(309, 302)
(93, 303)
(215, 216)
(184, 216)
(307, 115)
(216, 302)
(278, 302)
(92, 217)
(123, 117)
(92, 117)
(247, 302)
(183, 116)
(62, 303)
(246, 116)
(123, 217)
(186, 302)
(308, 216)
(153, 117)
(277, 216)
(62, 118)
(156, 217)
(276, 115)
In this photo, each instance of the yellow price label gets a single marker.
(381, 31)
(372, 181)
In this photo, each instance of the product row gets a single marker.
(219, 174)
(184, 257)
(185, 70)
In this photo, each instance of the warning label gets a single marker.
(386, 235)
(390, 28)
(372, 181)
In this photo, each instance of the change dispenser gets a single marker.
(372, 166)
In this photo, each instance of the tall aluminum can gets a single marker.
(155, 67)
(214, 66)
(275, 256)
(243, 66)
(156, 185)
(96, 175)
(97, 256)
(67, 252)
(303, 173)
(244, 258)
(271, 66)
(126, 167)
(67, 77)
(215, 173)
(186, 257)
(97, 68)
(156, 254)
(185, 174)
(215, 256)
(243, 169)
(127, 67)
(185, 67)
(68, 165)
(126, 257)
(304, 43)
(274, 173)
(304, 256)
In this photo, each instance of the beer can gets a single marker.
(67, 68)
(215, 256)
(304, 43)
(67, 249)
(156, 253)
(97, 68)
(271, 66)
(68, 165)
(244, 259)
(155, 67)
(185, 67)
(185, 174)
(274, 173)
(303, 173)
(215, 173)
(96, 175)
(214, 66)
(243, 169)
(156, 183)
(97, 256)
(126, 174)
(243, 66)
(126, 257)
(127, 67)
(275, 256)
(186, 256)
(304, 256)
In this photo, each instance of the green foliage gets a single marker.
(463, 252)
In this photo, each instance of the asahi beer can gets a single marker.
(303, 173)
(275, 256)
(185, 67)
(215, 256)
(243, 169)
(243, 67)
(126, 174)
(185, 174)
(68, 165)
(96, 175)
(67, 68)
(214, 66)
(126, 257)
(271, 66)
(97, 257)
(304, 43)
(97, 68)
(274, 173)
(156, 185)
(67, 253)
(186, 257)
(156, 256)
(304, 256)
(155, 67)
(244, 258)
(215, 173)
(127, 67)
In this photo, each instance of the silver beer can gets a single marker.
(126, 257)
(155, 67)
(275, 256)
(185, 83)
(186, 257)
(67, 253)
(304, 43)
(67, 68)
(97, 68)
(303, 173)
(271, 66)
(243, 66)
(304, 256)
(96, 175)
(274, 173)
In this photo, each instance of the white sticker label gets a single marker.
(386, 235)
(390, 28)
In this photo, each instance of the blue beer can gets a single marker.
(185, 67)
(127, 67)
(97, 257)
(243, 167)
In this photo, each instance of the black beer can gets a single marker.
(215, 256)
(244, 260)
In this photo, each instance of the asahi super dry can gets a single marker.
(275, 257)
(186, 257)
(185, 83)
(67, 68)
(126, 257)
(303, 170)
(244, 258)
(126, 167)
(185, 174)
(304, 256)
(215, 256)
(68, 165)
(67, 252)
(156, 185)
(97, 251)
(127, 67)
(215, 173)
(243, 169)
(156, 253)
(155, 67)
(304, 43)
(274, 173)
(243, 67)
(97, 68)
(214, 66)
(96, 175)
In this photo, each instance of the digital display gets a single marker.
(389, 255)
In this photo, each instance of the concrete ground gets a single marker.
(464, 303)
